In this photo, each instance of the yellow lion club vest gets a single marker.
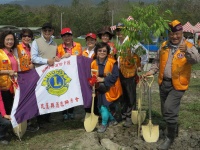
(127, 69)
(181, 69)
(5, 64)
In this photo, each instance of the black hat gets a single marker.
(105, 29)
(47, 25)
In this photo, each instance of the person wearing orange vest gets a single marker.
(128, 67)
(23, 52)
(8, 69)
(91, 39)
(173, 64)
(66, 49)
(106, 35)
(108, 88)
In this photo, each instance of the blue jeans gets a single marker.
(4, 124)
(106, 115)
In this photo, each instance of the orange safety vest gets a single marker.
(115, 90)
(5, 64)
(181, 69)
(76, 50)
(128, 69)
(24, 58)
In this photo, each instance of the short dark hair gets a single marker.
(101, 45)
(3, 36)
(29, 31)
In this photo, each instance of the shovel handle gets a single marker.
(149, 93)
(94, 71)
(151, 81)
(93, 95)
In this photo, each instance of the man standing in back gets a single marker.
(43, 51)
(66, 49)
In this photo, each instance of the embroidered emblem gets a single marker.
(180, 55)
(76, 52)
(56, 82)
(23, 52)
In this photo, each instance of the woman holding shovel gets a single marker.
(173, 63)
(108, 88)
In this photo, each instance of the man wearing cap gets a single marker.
(173, 64)
(66, 49)
(43, 51)
(127, 74)
(68, 45)
(91, 39)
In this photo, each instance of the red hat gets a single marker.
(66, 31)
(175, 26)
(92, 35)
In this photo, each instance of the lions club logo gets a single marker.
(56, 82)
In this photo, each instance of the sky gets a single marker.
(5, 1)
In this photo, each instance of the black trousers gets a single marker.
(129, 95)
(96, 110)
(8, 99)
(170, 101)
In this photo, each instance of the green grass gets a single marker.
(189, 118)
(196, 67)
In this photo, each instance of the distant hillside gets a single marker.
(55, 2)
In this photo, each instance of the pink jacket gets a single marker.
(2, 109)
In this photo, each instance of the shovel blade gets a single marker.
(90, 121)
(20, 130)
(150, 133)
(135, 116)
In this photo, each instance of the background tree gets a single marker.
(147, 21)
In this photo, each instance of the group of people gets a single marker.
(116, 82)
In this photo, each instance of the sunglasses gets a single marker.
(45, 30)
(101, 50)
(27, 36)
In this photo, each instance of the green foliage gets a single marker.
(147, 21)
(83, 16)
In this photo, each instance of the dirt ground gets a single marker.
(121, 138)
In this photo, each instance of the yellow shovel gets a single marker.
(138, 116)
(91, 119)
(150, 132)
(20, 130)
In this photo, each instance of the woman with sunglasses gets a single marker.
(23, 54)
(8, 69)
(108, 87)
(24, 50)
